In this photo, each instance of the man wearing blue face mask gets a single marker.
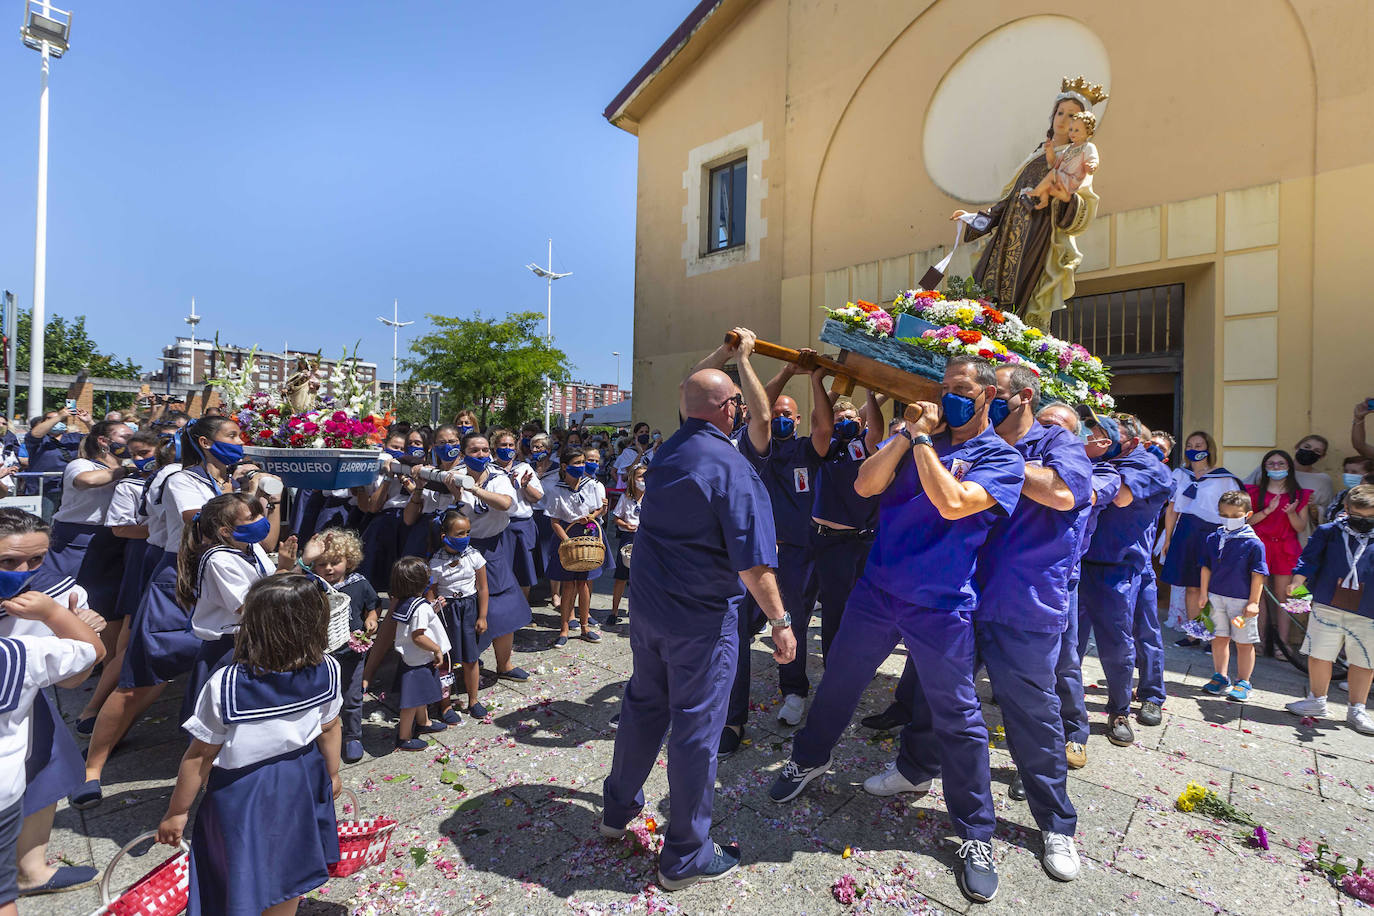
(943, 481)
(1117, 593)
(51, 444)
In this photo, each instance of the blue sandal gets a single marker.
(1240, 692)
(66, 878)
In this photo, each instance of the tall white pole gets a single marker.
(548, 397)
(395, 338)
(38, 322)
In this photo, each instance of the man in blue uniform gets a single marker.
(51, 445)
(1114, 577)
(1099, 435)
(939, 498)
(704, 527)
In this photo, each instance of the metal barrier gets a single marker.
(39, 492)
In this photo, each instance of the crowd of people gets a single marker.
(987, 530)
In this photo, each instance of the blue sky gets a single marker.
(295, 166)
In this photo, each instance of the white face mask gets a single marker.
(1233, 524)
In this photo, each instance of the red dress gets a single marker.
(1281, 545)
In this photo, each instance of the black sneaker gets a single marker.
(723, 862)
(729, 742)
(1017, 790)
(891, 718)
(615, 721)
(793, 779)
(1188, 642)
(611, 621)
(978, 876)
(1119, 731)
(1150, 714)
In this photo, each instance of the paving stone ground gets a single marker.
(499, 817)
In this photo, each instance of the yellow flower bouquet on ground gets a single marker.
(1203, 800)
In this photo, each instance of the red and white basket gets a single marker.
(161, 892)
(361, 842)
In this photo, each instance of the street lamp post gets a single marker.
(47, 30)
(395, 324)
(616, 354)
(548, 274)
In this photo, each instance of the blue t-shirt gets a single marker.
(836, 499)
(1231, 559)
(789, 470)
(1325, 564)
(51, 453)
(924, 559)
(1025, 565)
(1125, 534)
(704, 519)
(1106, 484)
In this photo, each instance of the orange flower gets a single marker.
(866, 306)
(651, 824)
(969, 337)
(929, 294)
(994, 315)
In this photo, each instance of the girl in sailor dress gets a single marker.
(429, 501)
(575, 501)
(422, 642)
(52, 767)
(458, 571)
(221, 557)
(385, 536)
(161, 644)
(493, 497)
(545, 464)
(265, 745)
(626, 524)
(127, 520)
(528, 492)
(82, 547)
(1190, 516)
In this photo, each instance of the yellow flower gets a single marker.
(848, 851)
(1034, 332)
(1185, 804)
(965, 315)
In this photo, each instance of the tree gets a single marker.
(477, 360)
(67, 350)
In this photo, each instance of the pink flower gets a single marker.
(845, 889)
(339, 416)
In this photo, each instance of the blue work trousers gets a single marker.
(1068, 678)
(1149, 641)
(797, 586)
(838, 561)
(1107, 597)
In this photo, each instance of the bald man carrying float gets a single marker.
(704, 526)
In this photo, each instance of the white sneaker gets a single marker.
(891, 782)
(791, 711)
(1311, 706)
(1357, 718)
(1345, 686)
(1060, 857)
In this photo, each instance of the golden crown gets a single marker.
(1079, 85)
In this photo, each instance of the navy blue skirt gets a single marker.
(300, 507)
(526, 535)
(132, 581)
(460, 620)
(554, 569)
(417, 685)
(1183, 563)
(161, 644)
(321, 512)
(94, 557)
(54, 768)
(507, 609)
(264, 834)
(622, 537)
(212, 655)
(383, 544)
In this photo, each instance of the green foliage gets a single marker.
(476, 360)
(957, 287)
(67, 350)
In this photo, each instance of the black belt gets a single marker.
(843, 534)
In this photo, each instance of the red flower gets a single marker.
(264, 434)
(297, 440)
(969, 337)
(987, 354)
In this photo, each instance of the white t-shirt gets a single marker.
(27, 665)
(628, 459)
(524, 507)
(627, 510)
(84, 506)
(225, 576)
(424, 617)
(254, 736)
(567, 504)
(396, 498)
(126, 503)
(157, 519)
(187, 490)
(487, 521)
(455, 574)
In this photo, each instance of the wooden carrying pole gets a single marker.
(850, 369)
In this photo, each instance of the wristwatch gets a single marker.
(778, 623)
(922, 439)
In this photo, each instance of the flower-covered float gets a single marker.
(921, 329)
(310, 440)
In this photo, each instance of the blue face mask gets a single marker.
(505, 454)
(998, 410)
(396, 452)
(1156, 451)
(227, 452)
(464, 430)
(1083, 433)
(575, 471)
(447, 451)
(415, 451)
(539, 456)
(642, 438)
(591, 468)
(144, 463)
(477, 464)
(783, 427)
(12, 581)
(958, 410)
(1352, 480)
(119, 449)
(253, 532)
(1196, 454)
(57, 428)
(457, 545)
(525, 443)
(846, 429)
(1277, 475)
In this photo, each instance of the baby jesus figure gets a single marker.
(1069, 169)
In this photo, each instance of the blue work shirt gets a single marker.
(789, 470)
(836, 499)
(1231, 559)
(1106, 484)
(703, 521)
(51, 453)
(924, 559)
(1325, 564)
(1024, 567)
(1125, 534)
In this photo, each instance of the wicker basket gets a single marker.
(585, 552)
(339, 608)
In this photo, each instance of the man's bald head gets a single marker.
(785, 407)
(1060, 415)
(704, 395)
